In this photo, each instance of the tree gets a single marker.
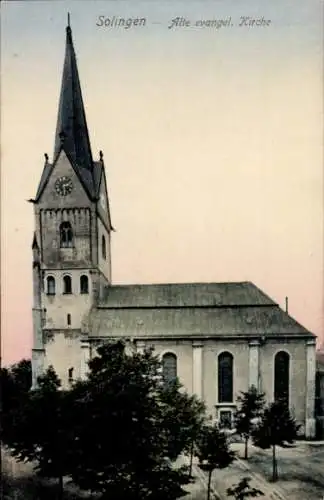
(250, 407)
(40, 429)
(22, 375)
(184, 415)
(243, 490)
(129, 428)
(213, 452)
(276, 428)
(15, 383)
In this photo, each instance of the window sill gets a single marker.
(50, 294)
(67, 293)
(225, 405)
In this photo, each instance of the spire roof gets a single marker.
(72, 132)
(71, 129)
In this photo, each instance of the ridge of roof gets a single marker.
(201, 294)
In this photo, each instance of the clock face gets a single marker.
(63, 186)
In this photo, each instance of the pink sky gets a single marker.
(213, 146)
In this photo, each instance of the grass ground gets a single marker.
(301, 469)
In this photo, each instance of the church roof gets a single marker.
(71, 129)
(189, 311)
(184, 295)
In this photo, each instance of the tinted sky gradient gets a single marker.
(213, 143)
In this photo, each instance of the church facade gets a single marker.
(218, 338)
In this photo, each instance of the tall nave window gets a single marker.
(281, 377)
(225, 378)
(66, 235)
(169, 367)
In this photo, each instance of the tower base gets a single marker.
(38, 366)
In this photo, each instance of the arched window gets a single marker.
(67, 284)
(103, 247)
(66, 235)
(50, 285)
(84, 284)
(225, 378)
(169, 367)
(281, 377)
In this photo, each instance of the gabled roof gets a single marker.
(47, 170)
(89, 180)
(243, 321)
(190, 310)
(184, 295)
(98, 168)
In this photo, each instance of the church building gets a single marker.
(218, 338)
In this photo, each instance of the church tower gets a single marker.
(71, 247)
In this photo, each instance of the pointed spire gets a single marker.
(71, 129)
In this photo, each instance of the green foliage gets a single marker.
(183, 416)
(52, 417)
(250, 406)
(117, 433)
(129, 427)
(276, 428)
(213, 450)
(39, 428)
(244, 490)
(15, 383)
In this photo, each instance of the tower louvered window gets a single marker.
(225, 377)
(66, 235)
